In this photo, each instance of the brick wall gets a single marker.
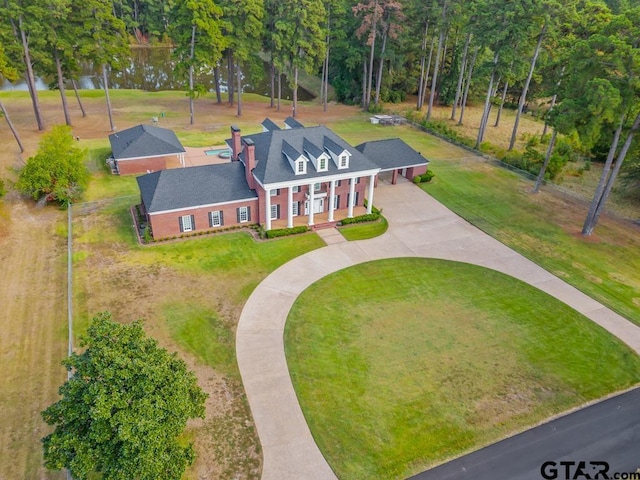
(168, 224)
(412, 172)
(128, 167)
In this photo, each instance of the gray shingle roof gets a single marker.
(292, 123)
(194, 186)
(144, 141)
(391, 154)
(273, 167)
(289, 151)
(311, 148)
(270, 125)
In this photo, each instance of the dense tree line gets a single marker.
(575, 61)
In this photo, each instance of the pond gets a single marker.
(152, 70)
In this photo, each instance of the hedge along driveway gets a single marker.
(419, 226)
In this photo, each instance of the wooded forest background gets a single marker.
(575, 63)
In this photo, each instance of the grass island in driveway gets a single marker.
(400, 364)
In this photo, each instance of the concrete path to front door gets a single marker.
(419, 226)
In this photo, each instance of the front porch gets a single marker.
(318, 218)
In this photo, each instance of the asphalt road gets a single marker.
(608, 431)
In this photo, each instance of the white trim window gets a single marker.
(295, 209)
(295, 189)
(187, 223)
(244, 214)
(336, 202)
(317, 186)
(322, 164)
(275, 212)
(344, 161)
(274, 192)
(301, 167)
(216, 219)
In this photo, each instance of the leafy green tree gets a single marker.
(299, 37)
(21, 34)
(196, 29)
(10, 74)
(123, 409)
(244, 32)
(57, 171)
(100, 38)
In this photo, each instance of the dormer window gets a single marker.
(344, 161)
(301, 167)
(322, 164)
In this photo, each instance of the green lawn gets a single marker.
(407, 362)
(363, 231)
(542, 227)
(546, 230)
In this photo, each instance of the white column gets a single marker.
(267, 206)
(311, 201)
(372, 180)
(352, 190)
(332, 194)
(290, 207)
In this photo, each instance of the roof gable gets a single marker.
(269, 125)
(291, 122)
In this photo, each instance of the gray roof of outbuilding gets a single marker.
(194, 186)
(144, 141)
(392, 154)
(273, 166)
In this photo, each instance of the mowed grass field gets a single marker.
(403, 363)
(191, 293)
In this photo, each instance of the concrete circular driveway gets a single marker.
(419, 226)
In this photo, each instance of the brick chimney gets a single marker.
(236, 142)
(249, 161)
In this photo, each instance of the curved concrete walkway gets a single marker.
(419, 226)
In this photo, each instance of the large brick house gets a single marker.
(277, 178)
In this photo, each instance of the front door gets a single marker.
(318, 206)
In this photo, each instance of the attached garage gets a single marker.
(394, 155)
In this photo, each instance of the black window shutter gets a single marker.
(210, 219)
(221, 218)
(193, 222)
(337, 202)
(248, 214)
(348, 200)
(278, 211)
(180, 222)
(356, 202)
(238, 215)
